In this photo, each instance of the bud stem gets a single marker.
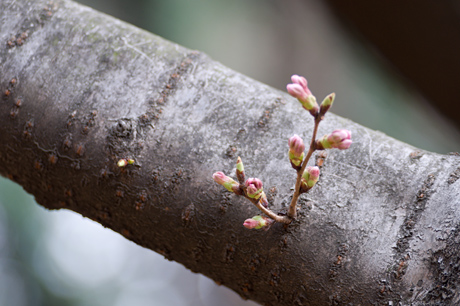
(292, 213)
(270, 213)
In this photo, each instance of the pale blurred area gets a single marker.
(60, 258)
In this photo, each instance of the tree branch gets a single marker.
(381, 225)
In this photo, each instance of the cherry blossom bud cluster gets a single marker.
(251, 188)
(307, 177)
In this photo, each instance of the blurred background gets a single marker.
(61, 258)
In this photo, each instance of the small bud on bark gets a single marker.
(299, 89)
(122, 163)
(257, 222)
(240, 171)
(340, 139)
(229, 184)
(296, 151)
(326, 104)
(254, 188)
(309, 178)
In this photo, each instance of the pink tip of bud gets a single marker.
(314, 172)
(297, 91)
(309, 178)
(227, 182)
(340, 139)
(344, 144)
(250, 223)
(254, 187)
(220, 178)
(339, 135)
(254, 182)
(296, 79)
(251, 190)
(296, 145)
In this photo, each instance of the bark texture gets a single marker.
(81, 90)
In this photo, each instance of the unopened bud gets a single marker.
(299, 89)
(131, 161)
(297, 79)
(250, 223)
(240, 171)
(340, 139)
(326, 104)
(254, 188)
(309, 178)
(296, 151)
(257, 222)
(229, 184)
(122, 163)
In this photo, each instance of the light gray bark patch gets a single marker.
(126, 137)
(267, 114)
(152, 115)
(34, 21)
(406, 232)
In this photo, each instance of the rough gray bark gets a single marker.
(381, 227)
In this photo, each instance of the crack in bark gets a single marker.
(153, 114)
(406, 233)
(445, 265)
(454, 176)
(125, 138)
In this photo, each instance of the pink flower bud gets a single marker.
(221, 179)
(296, 146)
(310, 176)
(344, 144)
(299, 89)
(340, 139)
(296, 79)
(314, 173)
(296, 151)
(258, 222)
(250, 223)
(254, 188)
